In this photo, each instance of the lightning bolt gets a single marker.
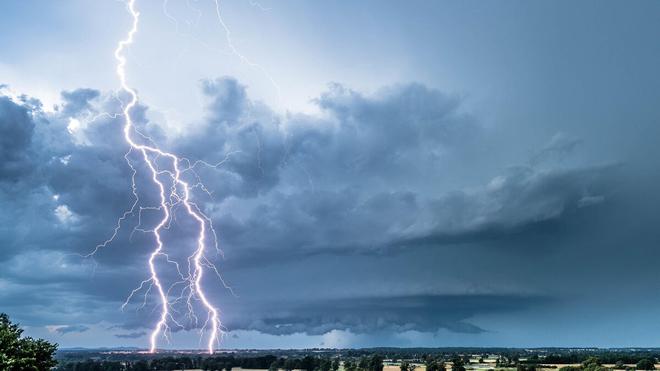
(176, 193)
(238, 54)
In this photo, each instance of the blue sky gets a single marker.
(406, 173)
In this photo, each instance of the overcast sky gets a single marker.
(398, 173)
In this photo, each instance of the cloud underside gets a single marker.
(67, 329)
(131, 335)
(423, 313)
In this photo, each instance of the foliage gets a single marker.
(593, 364)
(621, 357)
(433, 364)
(645, 364)
(375, 363)
(358, 359)
(23, 353)
(406, 366)
(457, 364)
(335, 364)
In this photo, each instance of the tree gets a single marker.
(308, 363)
(325, 364)
(645, 364)
(433, 364)
(335, 364)
(376, 363)
(363, 363)
(457, 364)
(23, 353)
(289, 364)
(593, 364)
(349, 365)
(405, 366)
(140, 366)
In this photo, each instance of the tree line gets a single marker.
(227, 363)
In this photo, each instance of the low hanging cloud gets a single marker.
(68, 329)
(423, 313)
(131, 335)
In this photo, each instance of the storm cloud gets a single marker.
(342, 220)
(70, 329)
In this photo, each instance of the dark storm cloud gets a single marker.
(66, 183)
(401, 131)
(131, 335)
(78, 100)
(356, 182)
(71, 329)
(560, 147)
(16, 129)
(512, 202)
(519, 198)
(228, 100)
(371, 180)
(424, 313)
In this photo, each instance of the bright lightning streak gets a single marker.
(178, 193)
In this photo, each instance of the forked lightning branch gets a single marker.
(173, 191)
